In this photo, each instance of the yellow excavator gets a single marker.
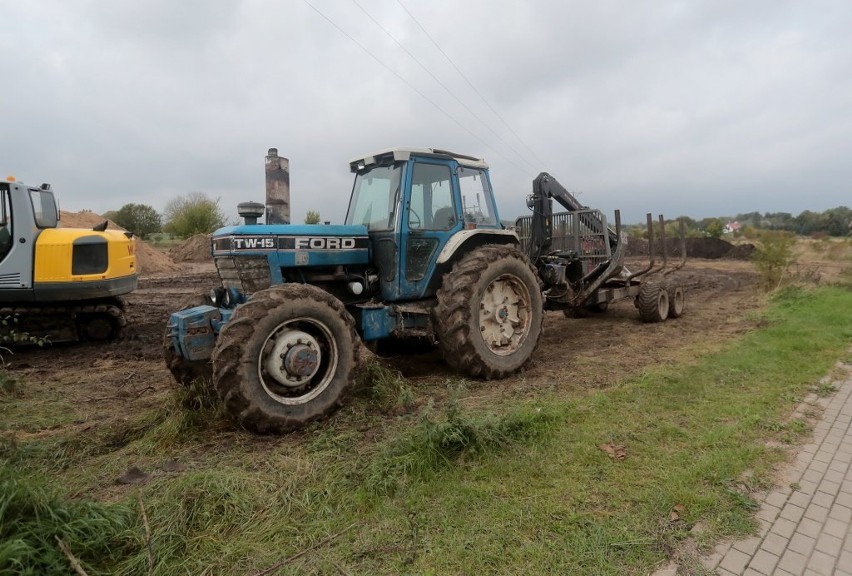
(59, 284)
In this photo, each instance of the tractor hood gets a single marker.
(295, 244)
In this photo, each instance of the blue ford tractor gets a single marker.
(423, 255)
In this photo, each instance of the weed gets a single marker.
(383, 387)
(824, 389)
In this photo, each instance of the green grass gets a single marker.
(440, 488)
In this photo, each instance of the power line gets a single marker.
(442, 85)
(469, 83)
(410, 85)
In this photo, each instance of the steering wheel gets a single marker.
(412, 216)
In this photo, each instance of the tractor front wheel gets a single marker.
(489, 312)
(285, 358)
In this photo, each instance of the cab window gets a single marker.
(432, 205)
(374, 198)
(476, 197)
(44, 208)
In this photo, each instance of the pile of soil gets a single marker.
(194, 249)
(148, 259)
(709, 248)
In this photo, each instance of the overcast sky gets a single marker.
(698, 108)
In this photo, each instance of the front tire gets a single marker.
(677, 302)
(489, 312)
(285, 358)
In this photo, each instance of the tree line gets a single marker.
(831, 222)
(184, 216)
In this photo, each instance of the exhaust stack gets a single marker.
(277, 188)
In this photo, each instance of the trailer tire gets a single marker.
(186, 371)
(653, 302)
(285, 358)
(489, 312)
(677, 301)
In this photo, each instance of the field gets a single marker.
(422, 471)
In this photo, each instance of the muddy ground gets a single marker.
(126, 377)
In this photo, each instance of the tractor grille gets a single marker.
(249, 274)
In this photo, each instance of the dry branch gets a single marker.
(323, 542)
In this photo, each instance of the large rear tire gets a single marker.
(489, 312)
(653, 302)
(285, 358)
(186, 371)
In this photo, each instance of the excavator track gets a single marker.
(98, 320)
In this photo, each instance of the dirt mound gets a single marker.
(709, 248)
(149, 259)
(194, 249)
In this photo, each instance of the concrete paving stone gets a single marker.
(735, 561)
(812, 475)
(777, 498)
(779, 572)
(834, 476)
(846, 486)
(836, 528)
(723, 572)
(764, 562)
(792, 512)
(712, 561)
(838, 466)
(768, 513)
(831, 545)
(820, 466)
(830, 487)
(783, 527)
(753, 572)
(809, 527)
(845, 560)
(816, 512)
(799, 499)
(821, 563)
(775, 543)
(793, 562)
(748, 546)
(822, 499)
(840, 512)
(807, 486)
(843, 499)
(802, 544)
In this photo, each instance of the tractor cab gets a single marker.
(415, 203)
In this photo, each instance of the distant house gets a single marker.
(731, 227)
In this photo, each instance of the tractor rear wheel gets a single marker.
(285, 358)
(489, 312)
(677, 301)
(186, 371)
(653, 302)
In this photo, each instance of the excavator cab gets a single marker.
(59, 284)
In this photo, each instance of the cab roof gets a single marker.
(403, 154)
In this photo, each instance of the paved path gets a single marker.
(806, 523)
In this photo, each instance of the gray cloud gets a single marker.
(700, 108)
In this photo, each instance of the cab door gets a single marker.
(431, 215)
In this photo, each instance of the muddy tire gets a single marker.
(489, 312)
(677, 301)
(653, 302)
(285, 358)
(186, 371)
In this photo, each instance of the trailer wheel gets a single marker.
(186, 371)
(653, 302)
(285, 358)
(489, 312)
(677, 301)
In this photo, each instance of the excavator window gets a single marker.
(5, 224)
(44, 208)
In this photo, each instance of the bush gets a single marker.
(140, 219)
(773, 256)
(193, 214)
